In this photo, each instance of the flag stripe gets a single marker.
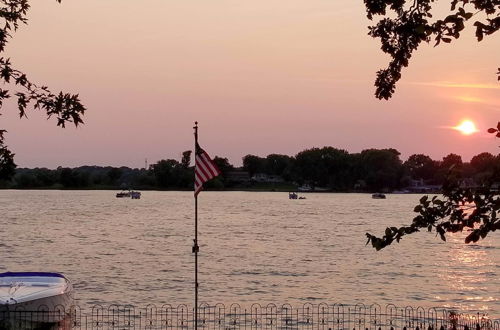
(204, 170)
(209, 165)
(197, 190)
(203, 167)
(201, 173)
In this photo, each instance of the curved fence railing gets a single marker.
(254, 317)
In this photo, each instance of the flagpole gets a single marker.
(196, 248)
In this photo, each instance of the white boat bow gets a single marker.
(35, 294)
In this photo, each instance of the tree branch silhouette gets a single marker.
(405, 25)
(65, 107)
(473, 209)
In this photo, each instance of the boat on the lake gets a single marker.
(35, 296)
(129, 194)
(293, 195)
(378, 196)
(123, 194)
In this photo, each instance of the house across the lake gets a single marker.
(267, 178)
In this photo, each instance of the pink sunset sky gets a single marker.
(260, 77)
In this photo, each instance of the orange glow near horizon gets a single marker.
(466, 127)
(261, 77)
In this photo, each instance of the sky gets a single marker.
(260, 77)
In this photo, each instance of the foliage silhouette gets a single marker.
(421, 166)
(327, 168)
(404, 25)
(460, 208)
(65, 107)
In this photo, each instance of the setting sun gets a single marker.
(466, 127)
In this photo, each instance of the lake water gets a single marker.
(254, 248)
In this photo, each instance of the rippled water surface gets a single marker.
(254, 248)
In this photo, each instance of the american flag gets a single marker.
(204, 169)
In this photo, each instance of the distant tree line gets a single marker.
(472, 208)
(327, 168)
(371, 169)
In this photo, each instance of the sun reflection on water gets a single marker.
(461, 273)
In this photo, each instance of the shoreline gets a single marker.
(216, 190)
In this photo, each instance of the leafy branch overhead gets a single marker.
(475, 210)
(458, 210)
(7, 166)
(66, 107)
(412, 25)
(495, 131)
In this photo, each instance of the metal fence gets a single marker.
(255, 317)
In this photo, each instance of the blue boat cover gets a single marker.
(20, 274)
